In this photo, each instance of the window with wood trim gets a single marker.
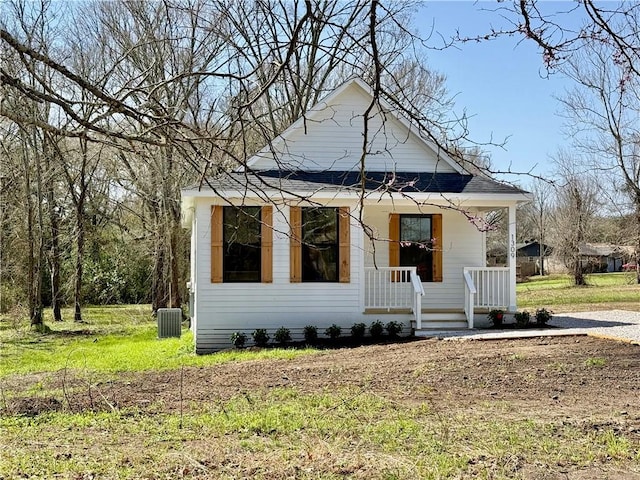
(241, 244)
(320, 244)
(416, 241)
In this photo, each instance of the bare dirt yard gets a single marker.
(546, 377)
(555, 408)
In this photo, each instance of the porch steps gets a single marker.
(442, 319)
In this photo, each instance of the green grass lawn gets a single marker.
(112, 339)
(604, 291)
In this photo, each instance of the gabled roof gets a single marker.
(315, 112)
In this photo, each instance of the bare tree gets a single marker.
(36, 177)
(535, 216)
(175, 91)
(576, 204)
(602, 113)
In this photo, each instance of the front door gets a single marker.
(416, 244)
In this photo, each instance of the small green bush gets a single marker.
(543, 316)
(376, 328)
(333, 331)
(357, 330)
(393, 329)
(238, 339)
(522, 318)
(260, 337)
(310, 334)
(282, 335)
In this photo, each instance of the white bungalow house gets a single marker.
(304, 236)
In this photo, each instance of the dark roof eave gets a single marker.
(352, 181)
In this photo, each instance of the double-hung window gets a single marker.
(241, 244)
(320, 244)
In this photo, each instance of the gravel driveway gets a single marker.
(615, 324)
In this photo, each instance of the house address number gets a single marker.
(512, 247)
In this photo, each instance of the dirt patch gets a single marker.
(542, 377)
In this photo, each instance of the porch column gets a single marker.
(358, 239)
(511, 255)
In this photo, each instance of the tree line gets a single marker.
(107, 109)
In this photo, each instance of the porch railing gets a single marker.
(469, 297)
(485, 287)
(390, 288)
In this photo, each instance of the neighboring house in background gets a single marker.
(528, 257)
(530, 251)
(596, 258)
(301, 237)
(603, 257)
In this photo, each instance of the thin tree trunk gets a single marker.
(55, 256)
(158, 293)
(638, 238)
(80, 231)
(54, 268)
(176, 299)
(34, 279)
(77, 292)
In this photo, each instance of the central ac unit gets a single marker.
(169, 322)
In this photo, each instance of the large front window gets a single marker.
(241, 243)
(416, 244)
(320, 245)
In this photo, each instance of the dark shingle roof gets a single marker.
(334, 181)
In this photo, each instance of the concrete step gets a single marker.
(443, 317)
(429, 332)
(439, 323)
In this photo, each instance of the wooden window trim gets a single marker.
(394, 244)
(217, 253)
(295, 244)
(436, 230)
(344, 246)
(266, 245)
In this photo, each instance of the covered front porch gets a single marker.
(463, 289)
(399, 291)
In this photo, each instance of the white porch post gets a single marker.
(358, 240)
(511, 255)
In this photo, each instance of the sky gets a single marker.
(502, 84)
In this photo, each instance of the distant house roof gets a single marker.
(604, 250)
(532, 249)
(350, 181)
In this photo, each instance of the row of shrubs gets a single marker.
(523, 318)
(282, 335)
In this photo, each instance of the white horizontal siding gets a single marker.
(462, 247)
(224, 308)
(331, 139)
